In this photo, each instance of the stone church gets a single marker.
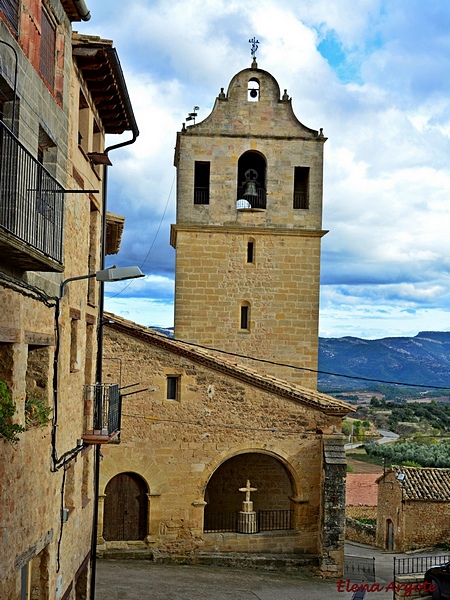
(226, 446)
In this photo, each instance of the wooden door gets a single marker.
(125, 509)
(390, 535)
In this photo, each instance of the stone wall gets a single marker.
(361, 512)
(355, 531)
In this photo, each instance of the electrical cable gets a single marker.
(318, 371)
(151, 245)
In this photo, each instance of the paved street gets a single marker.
(141, 579)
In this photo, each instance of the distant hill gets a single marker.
(423, 359)
(164, 330)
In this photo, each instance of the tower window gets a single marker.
(245, 316)
(253, 90)
(172, 387)
(301, 185)
(250, 252)
(201, 182)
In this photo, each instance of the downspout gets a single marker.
(98, 371)
(82, 10)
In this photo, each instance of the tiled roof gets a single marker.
(424, 483)
(231, 367)
(362, 489)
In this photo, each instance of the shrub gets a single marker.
(8, 430)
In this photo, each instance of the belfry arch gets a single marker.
(272, 499)
(251, 179)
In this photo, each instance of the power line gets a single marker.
(151, 245)
(318, 371)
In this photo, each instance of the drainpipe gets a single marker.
(82, 10)
(98, 371)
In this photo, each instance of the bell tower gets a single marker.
(249, 228)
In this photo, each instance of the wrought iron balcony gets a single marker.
(31, 209)
(102, 413)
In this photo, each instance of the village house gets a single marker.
(54, 115)
(227, 446)
(413, 508)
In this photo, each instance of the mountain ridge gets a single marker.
(423, 359)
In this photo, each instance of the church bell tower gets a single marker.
(249, 228)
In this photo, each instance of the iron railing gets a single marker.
(418, 564)
(359, 568)
(201, 195)
(266, 520)
(258, 201)
(301, 200)
(102, 413)
(31, 200)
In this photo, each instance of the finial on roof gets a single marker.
(255, 43)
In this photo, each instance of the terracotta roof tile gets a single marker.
(424, 483)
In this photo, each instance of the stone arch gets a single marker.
(251, 179)
(125, 513)
(253, 89)
(275, 483)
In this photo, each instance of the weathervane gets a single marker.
(254, 42)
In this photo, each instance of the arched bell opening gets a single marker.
(251, 181)
(252, 482)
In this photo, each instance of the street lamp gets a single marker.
(111, 274)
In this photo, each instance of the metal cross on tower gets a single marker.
(254, 42)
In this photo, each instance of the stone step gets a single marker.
(276, 562)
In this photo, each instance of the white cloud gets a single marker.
(387, 180)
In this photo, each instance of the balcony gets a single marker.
(102, 413)
(31, 209)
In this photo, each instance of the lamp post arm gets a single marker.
(66, 281)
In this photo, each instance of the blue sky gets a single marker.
(373, 73)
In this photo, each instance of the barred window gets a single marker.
(10, 9)
(47, 50)
(201, 182)
(301, 187)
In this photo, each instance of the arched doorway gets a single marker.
(125, 510)
(271, 501)
(389, 535)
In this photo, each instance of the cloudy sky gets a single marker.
(375, 74)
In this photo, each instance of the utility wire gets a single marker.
(151, 245)
(359, 378)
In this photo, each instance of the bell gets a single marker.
(250, 190)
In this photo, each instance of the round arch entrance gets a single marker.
(271, 500)
(126, 508)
